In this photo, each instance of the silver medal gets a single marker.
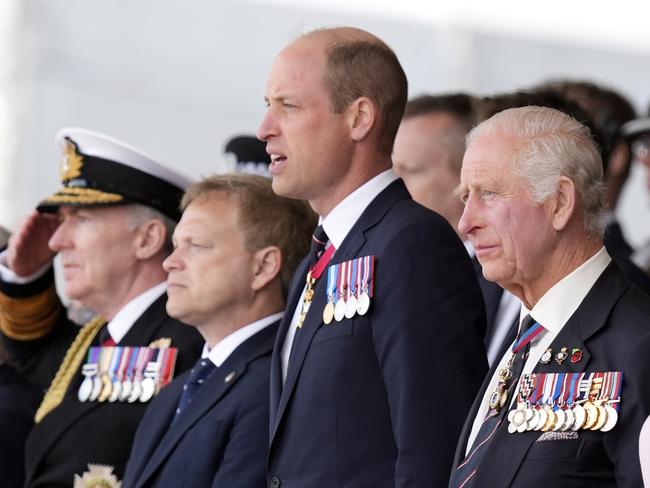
(126, 390)
(351, 307)
(136, 390)
(363, 304)
(97, 388)
(148, 389)
(115, 392)
(85, 389)
(339, 310)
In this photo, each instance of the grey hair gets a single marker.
(550, 144)
(139, 214)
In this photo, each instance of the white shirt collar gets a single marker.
(469, 248)
(224, 348)
(129, 313)
(559, 303)
(342, 218)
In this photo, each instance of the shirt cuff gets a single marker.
(8, 276)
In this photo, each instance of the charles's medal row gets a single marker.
(126, 374)
(561, 402)
(349, 289)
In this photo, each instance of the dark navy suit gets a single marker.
(379, 400)
(612, 328)
(221, 438)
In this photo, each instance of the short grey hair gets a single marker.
(139, 214)
(550, 144)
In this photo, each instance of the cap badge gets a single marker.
(72, 161)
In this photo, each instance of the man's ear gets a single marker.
(362, 116)
(149, 239)
(564, 204)
(267, 263)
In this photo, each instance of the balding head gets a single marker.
(359, 64)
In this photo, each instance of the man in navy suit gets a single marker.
(235, 249)
(565, 403)
(379, 357)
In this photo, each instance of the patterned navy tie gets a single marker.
(318, 242)
(198, 375)
(463, 477)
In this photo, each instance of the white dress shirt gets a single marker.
(225, 347)
(644, 451)
(129, 313)
(337, 225)
(552, 311)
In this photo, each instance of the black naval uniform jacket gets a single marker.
(612, 329)
(221, 438)
(75, 433)
(379, 400)
(19, 400)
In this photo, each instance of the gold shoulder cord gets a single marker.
(69, 366)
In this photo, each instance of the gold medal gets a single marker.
(612, 418)
(328, 313)
(107, 387)
(550, 421)
(592, 415)
(602, 416)
(560, 419)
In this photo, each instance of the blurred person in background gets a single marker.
(427, 155)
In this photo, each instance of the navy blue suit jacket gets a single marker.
(612, 328)
(379, 400)
(221, 438)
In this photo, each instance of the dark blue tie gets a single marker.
(198, 375)
(464, 475)
(318, 242)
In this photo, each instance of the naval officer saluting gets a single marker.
(111, 225)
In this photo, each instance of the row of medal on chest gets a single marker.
(563, 402)
(349, 289)
(126, 374)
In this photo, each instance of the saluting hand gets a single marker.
(28, 249)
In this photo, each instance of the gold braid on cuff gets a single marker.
(25, 319)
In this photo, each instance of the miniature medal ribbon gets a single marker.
(563, 402)
(350, 287)
(117, 373)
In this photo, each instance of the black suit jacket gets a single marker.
(221, 439)
(75, 434)
(18, 403)
(379, 400)
(612, 328)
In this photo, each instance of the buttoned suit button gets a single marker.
(274, 483)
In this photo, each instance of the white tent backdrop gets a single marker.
(178, 78)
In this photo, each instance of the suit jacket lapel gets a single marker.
(297, 285)
(355, 239)
(212, 391)
(588, 319)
